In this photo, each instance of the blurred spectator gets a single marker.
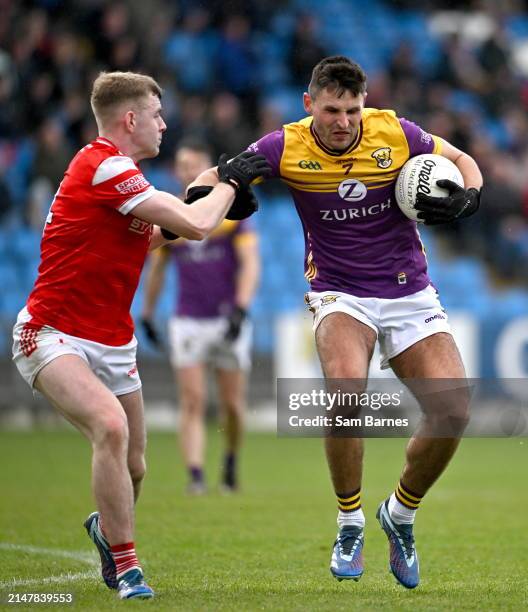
(306, 50)
(68, 62)
(190, 52)
(237, 68)
(114, 24)
(6, 202)
(52, 156)
(228, 131)
(7, 101)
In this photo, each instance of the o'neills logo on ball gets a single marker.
(424, 177)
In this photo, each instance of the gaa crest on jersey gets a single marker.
(352, 190)
(383, 157)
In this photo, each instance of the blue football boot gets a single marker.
(132, 586)
(403, 557)
(108, 567)
(347, 555)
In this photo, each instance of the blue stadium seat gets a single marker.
(25, 243)
(288, 101)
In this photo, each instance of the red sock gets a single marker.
(125, 558)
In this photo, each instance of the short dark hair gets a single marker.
(338, 74)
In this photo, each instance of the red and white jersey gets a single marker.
(93, 249)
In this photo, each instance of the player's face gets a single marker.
(188, 164)
(148, 128)
(336, 119)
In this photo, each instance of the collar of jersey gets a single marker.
(104, 140)
(333, 152)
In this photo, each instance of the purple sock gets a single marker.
(196, 474)
(229, 469)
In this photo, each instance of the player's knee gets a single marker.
(193, 403)
(233, 408)
(461, 415)
(112, 430)
(137, 467)
(344, 369)
(448, 419)
(448, 411)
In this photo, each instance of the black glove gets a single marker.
(244, 204)
(242, 169)
(150, 332)
(234, 323)
(460, 203)
(168, 235)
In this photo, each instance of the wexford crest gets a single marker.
(382, 156)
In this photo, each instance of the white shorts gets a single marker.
(196, 341)
(399, 323)
(34, 348)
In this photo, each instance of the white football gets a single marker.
(419, 175)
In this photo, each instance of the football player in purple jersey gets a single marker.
(368, 282)
(217, 279)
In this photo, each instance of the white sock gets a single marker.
(400, 513)
(355, 518)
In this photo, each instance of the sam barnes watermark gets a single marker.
(331, 402)
(393, 408)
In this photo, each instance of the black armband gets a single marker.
(168, 235)
(197, 192)
(244, 204)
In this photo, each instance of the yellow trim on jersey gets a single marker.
(226, 227)
(375, 158)
(245, 238)
(311, 271)
(162, 252)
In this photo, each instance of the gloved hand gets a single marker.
(242, 169)
(460, 203)
(150, 332)
(244, 204)
(234, 323)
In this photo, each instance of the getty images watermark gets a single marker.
(391, 408)
(333, 402)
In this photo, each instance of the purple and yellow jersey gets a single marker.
(357, 239)
(207, 270)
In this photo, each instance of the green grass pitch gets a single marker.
(267, 548)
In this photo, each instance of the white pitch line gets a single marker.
(19, 582)
(81, 556)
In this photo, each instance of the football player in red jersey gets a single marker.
(74, 339)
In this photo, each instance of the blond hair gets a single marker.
(110, 89)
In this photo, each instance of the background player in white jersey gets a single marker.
(368, 278)
(217, 279)
(74, 340)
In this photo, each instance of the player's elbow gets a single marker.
(197, 231)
